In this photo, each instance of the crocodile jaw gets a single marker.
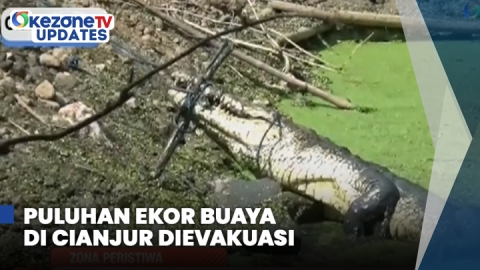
(240, 134)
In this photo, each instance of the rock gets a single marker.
(159, 24)
(35, 74)
(49, 60)
(120, 187)
(133, 19)
(6, 65)
(20, 87)
(68, 190)
(62, 53)
(77, 112)
(85, 3)
(9, 56)
(147, 31)
(146, 38)
(45, 90)
(100, 67)
(9, 100)
(65, 81)
(61, 99)
(32, 59)
(125, 201)
(140, 28)
(8, 84)
(4, 132)
(131, 103)
(241, 193)
(19, 69)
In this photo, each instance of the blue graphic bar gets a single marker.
(455, 243)
(6, 214)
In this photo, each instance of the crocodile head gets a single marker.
(249, 133)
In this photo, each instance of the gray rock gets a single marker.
(241, 193)
(19, 69)
(65, 81)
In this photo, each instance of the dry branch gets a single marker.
(374, 20)
(303, 34)
(24, 105)
(300, 85)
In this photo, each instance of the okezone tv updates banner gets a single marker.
(47, 27)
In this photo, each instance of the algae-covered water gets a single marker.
(378, 75)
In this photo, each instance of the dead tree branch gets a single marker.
(375, 20)
(125, 92)
(301, 85)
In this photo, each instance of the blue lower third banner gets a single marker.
(6, 214)
(455, 243)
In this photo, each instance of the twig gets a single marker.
(237, 72)
(236, 41)
(257, 47)
(304, 51)
(24, 105)
(287, 66)
(355, 50)
(309, 62)
(274, 43)
(190, 32)
(204, 17)
(304, 33)
(124, 92)
(18, 127)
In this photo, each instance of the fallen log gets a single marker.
(301, 85)
(375, 20)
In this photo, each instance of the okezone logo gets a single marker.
(471, 11)
(20, 19)
(57, 27)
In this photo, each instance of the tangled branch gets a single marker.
(6, 146)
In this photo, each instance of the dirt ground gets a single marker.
(82, 172)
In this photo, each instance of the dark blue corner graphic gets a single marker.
(458, 50)
(6, 214)
(456, 239)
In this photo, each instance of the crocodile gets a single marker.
(366, 197)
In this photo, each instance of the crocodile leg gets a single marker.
(374, 208)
